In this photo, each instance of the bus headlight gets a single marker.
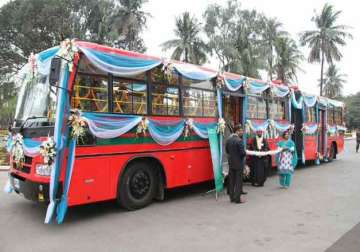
(43, 169)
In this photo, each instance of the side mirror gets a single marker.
(55, 68)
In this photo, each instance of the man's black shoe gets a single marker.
(244, 193)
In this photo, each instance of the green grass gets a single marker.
(3, 154)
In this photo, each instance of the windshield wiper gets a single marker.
(29, 118)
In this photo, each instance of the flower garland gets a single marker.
(142, 126)
(220, 81)
(48, 151)
(220, 129)
(168, 70)
(17, 151)
(77, 125)
(67, 52)
(189, 125)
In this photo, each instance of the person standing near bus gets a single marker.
(286, 160)
(357, 139)
(259, 164)
(235, 150)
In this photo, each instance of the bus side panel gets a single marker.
(340, 143)
(310, 146)
(90, 181)
(273, 146)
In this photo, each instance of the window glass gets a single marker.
(165, 100)
(129, 97)
(338, 116)
(330, 116)
(277, 109)
(209, 103)
(157, 76)
(310, 114)
(197, 102)
(90, 93)
(197, 84)
(256, 107)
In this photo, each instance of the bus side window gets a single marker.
(129, 97)
(277, 109)
(165, 100)
(310, 114)
(338, 116)
(256, 108)
(330, 116)
(90, 93)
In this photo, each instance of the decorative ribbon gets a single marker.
(119, 65)
(258, 126)
(340, 128)
(309, 100)
(281, 126)
(296, 104)
(60, 133)
(280, 91)
(309, 128)
(257, 87)
(331, 129)
(234, 84)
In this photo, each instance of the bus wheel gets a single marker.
(137, 186)
(332, 154)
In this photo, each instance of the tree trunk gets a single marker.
(322, 72)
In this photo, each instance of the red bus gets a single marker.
(145, 124)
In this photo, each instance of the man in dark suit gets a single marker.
(235, 150)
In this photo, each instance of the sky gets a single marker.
(295, 16)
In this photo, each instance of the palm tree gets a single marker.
(188, 46)
(333, 82)
(325, 40)
(271, 32)
(288, 59)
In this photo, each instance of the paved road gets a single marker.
(322, 205)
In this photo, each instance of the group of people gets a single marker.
(260, 162)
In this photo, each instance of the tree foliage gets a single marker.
(34, 25)
(188, 46)
(333, 82)
(352, 115)
(288, 59)
(325, 40)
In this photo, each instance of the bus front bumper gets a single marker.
(34, 191)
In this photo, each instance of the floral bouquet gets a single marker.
(221, 126)
(48, 151)
(77, 125)
(17, 151)
(142, 126)
(189, 125)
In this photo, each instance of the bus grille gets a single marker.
(26, 167)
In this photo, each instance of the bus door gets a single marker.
(232, 107)
(232, 112)
(322, 131)
(297, 136)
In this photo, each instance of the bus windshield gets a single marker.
(36, 101)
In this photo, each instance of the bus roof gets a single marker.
(114, 59)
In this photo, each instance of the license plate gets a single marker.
(16, 183)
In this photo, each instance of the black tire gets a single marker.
(332, 154)
(137, 186)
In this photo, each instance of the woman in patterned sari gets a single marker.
(286, 160)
